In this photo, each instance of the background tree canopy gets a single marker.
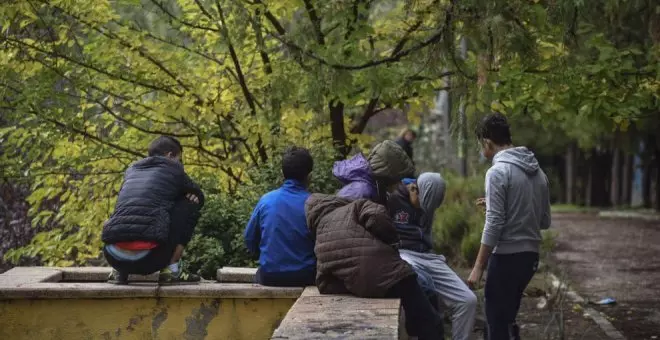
(86, 85)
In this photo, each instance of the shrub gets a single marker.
(459, 222)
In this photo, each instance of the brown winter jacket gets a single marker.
(356, 246)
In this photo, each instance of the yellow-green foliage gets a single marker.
(86, 85)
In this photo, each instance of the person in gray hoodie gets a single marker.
(412, 208)
(517, 208)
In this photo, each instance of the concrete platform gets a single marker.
(89, 282)
(237, 274)
(317, 316)
(77, 303)
(66, 303)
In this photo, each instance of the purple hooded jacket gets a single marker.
(355, 174)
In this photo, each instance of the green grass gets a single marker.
(571, 208)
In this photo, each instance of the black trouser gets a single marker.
(300, 278)
(422, 320)
(183, 219)
(508, 276)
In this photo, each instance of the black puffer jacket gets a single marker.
(151, 188)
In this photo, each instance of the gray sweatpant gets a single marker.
(454, 293)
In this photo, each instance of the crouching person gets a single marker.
(412, 207)
(277, 232)
(154, 217)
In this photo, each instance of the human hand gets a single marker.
(481, 203)
(192, 198)
(474, 281)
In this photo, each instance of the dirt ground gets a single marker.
(555, 321)
(616, 258)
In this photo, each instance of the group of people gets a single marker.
(373, 238)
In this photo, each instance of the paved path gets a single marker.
(616, 258)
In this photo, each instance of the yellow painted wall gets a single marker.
(141, 318)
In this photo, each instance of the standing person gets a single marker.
(517, 208)
(154, 218)
(406, 139)
(277, 231)
(413, 207)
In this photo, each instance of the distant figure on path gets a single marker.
(405, 140)
(517, 208)
(154, 218)
(413, 206)
(277, 231)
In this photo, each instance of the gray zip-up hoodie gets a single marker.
(517, 202)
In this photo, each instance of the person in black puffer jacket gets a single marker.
(154, 218)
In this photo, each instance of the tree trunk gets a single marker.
(646, 185)
(589, 184)
(657, 173)
(462, 153)
(570, 174)
(626, 179)
(647, 180)
(615, 177)
(657, 181)
(337, 127)
(599, 178)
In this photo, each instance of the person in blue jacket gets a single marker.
(277, 231)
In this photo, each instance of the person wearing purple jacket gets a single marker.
(372, 177)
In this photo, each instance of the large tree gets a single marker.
(85, 85)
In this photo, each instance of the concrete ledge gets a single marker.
(70, 290)
(237, 274)
(83, 282)
(98, 290)
(97, 274)
(230, 290)
(316, 316)
(26, 275)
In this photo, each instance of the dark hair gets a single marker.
(163, 145)
(496, 128)
(405, 131)
(297, 163)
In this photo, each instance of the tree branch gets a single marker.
(369, 112)
(316, 22)
(92, 67)
(436, 37)
(140, 49)
(239, 72)
(85, 134)
(183, 22)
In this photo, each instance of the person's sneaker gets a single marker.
(166, 276)
(118, 278)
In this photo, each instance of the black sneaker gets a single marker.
(168, 277)
(118, 278)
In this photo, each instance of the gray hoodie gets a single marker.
(517, 202)
(431, 194)
(414, 225)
